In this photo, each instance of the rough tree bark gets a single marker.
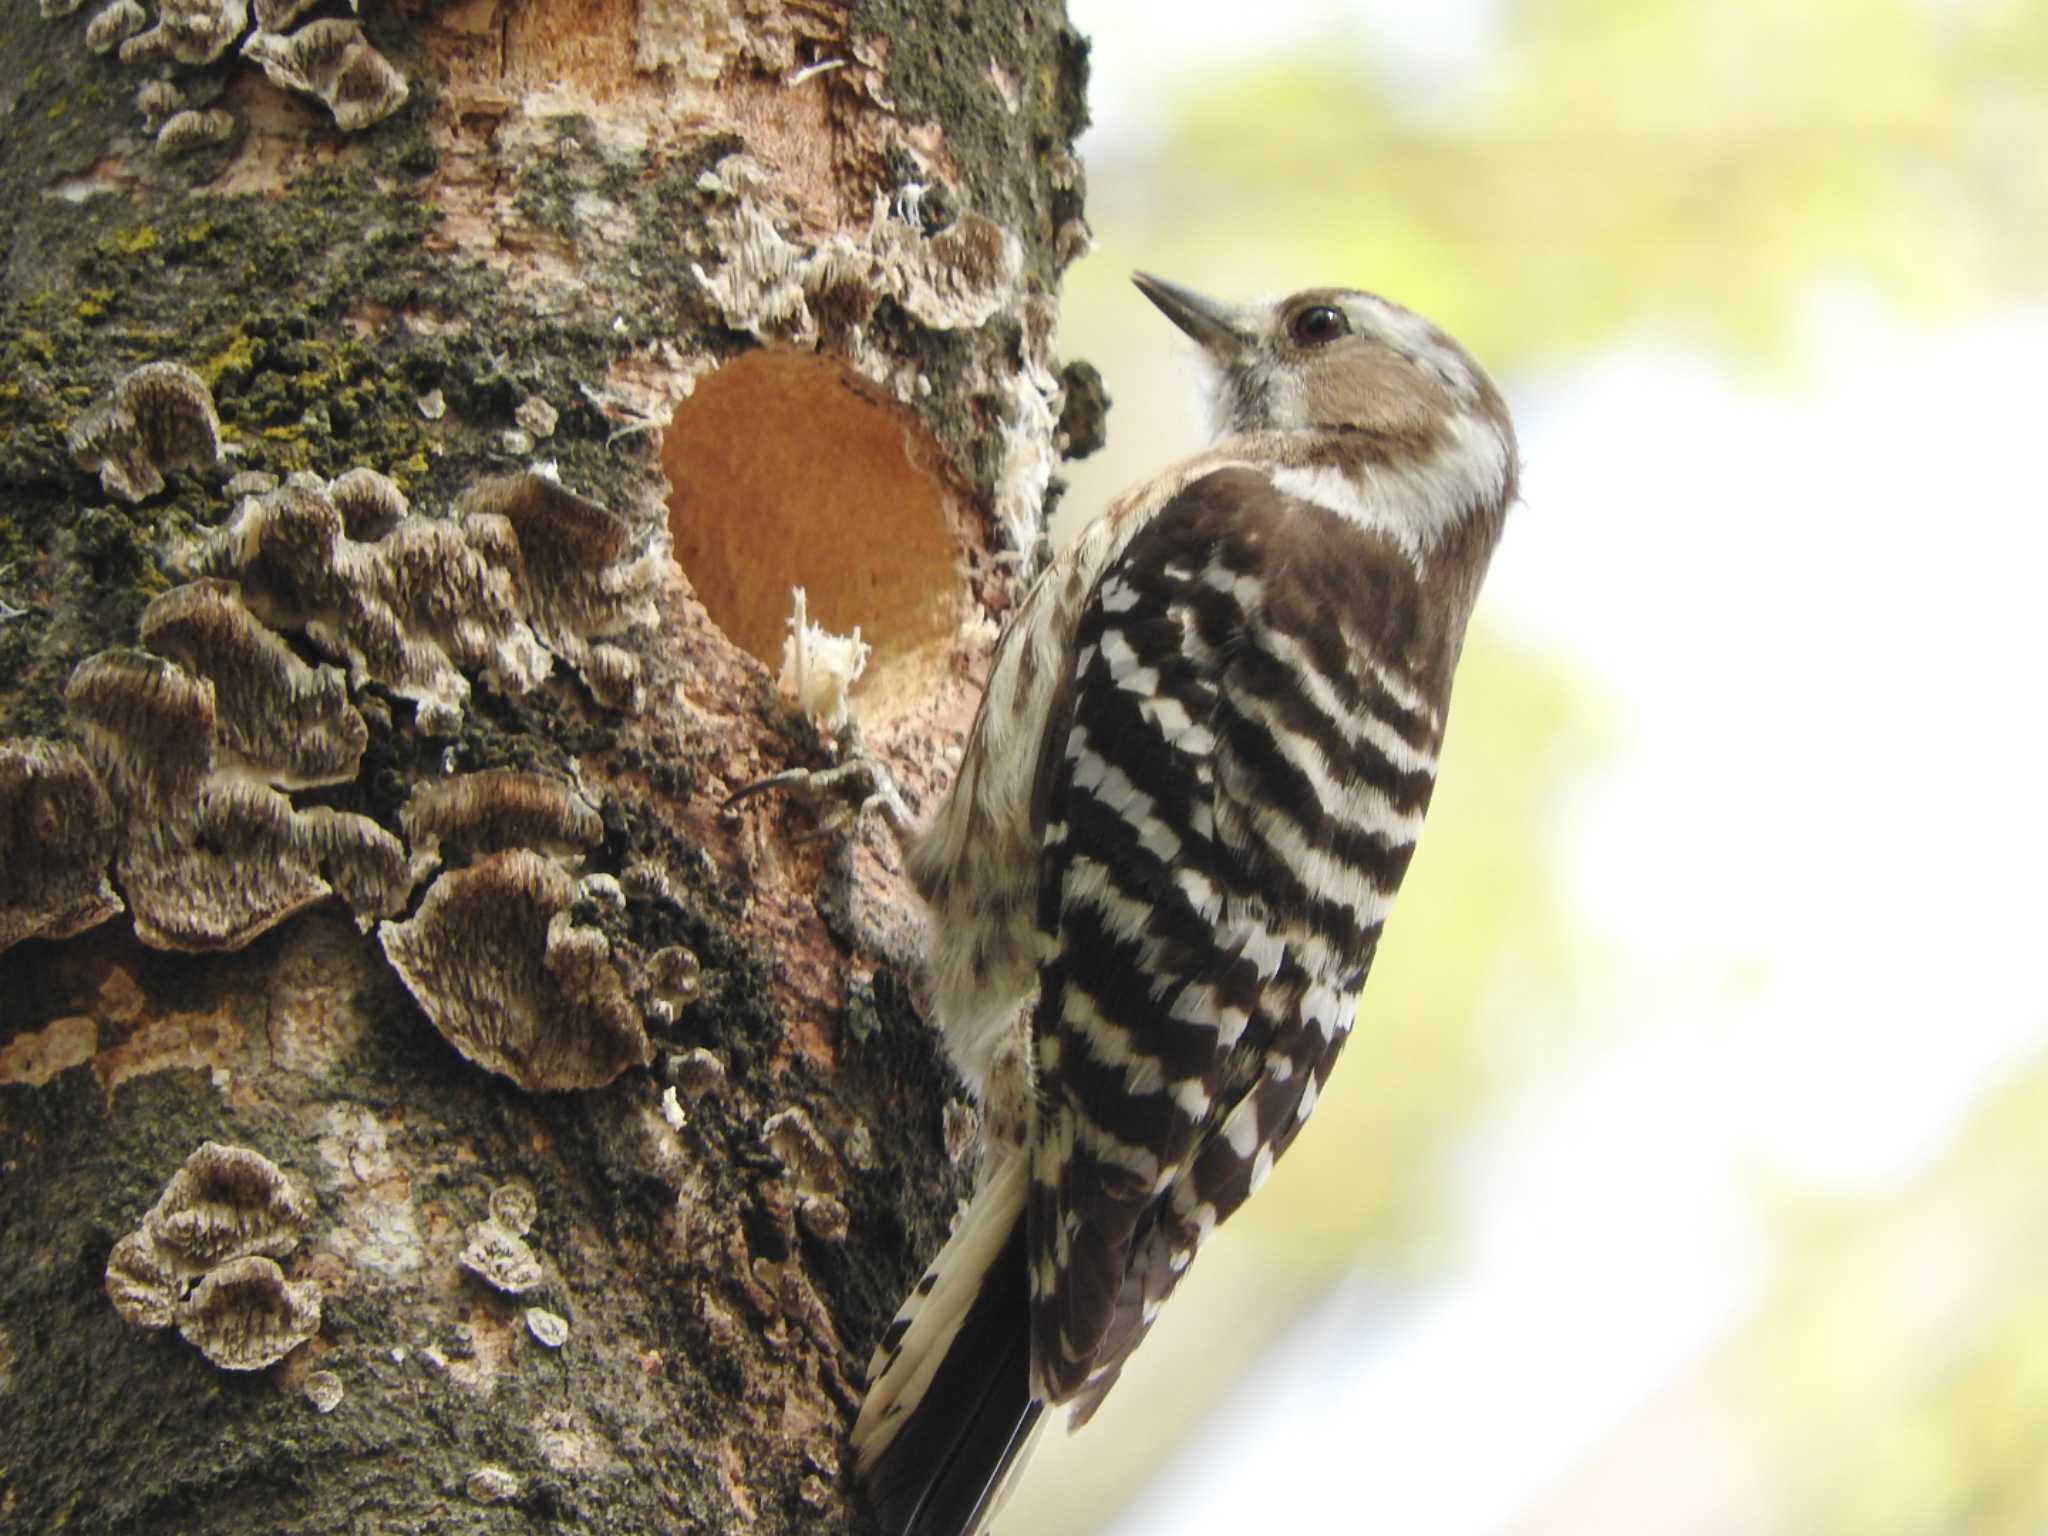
(424, 1105)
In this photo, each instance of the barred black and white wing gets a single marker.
(1256, 702)
(1230, 782)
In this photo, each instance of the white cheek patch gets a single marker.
(1417, 505)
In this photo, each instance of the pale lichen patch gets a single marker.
(36, 1057)
(376, 1232)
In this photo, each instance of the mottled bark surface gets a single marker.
(342, 817)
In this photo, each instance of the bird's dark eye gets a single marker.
(1319, 324)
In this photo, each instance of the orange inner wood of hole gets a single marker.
(785, 470)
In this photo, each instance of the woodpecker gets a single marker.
(1195, 781)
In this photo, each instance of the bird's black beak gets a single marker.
(1213, 325)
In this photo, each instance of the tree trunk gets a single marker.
(425, 1104)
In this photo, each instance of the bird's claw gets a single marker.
(857, 774)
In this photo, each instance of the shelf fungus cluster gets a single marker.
(204, 748)
(526, 572)
(328, 59)
(205, 1258)
(159, 417)
(198, 741)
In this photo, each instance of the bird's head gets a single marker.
(1327, 359)
(1364, 381)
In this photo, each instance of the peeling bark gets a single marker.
(490, 311)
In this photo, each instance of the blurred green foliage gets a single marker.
(1685, 165)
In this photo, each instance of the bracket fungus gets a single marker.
(324, 1391)
(675, 975)
(529, 571)
(227, 1203)
(189, 31)
(114, 25)
(205, 1258)
(823, 1218)
(497, 809)
(291, 724)
(495, 959)
(802, 1149)
(695, 1071)
(501, 1258)
(497, 1252)
(210, 856)
(202, 738)
(186, 131)
(159, 101)
(405, 611)
(147, 723)
(276, 15)
(232, 867)
(143, 1282)
(575, 564)
(515, 1208)
(330, 60)
(369, 503)
(57, 836)
(246, 1315)
(536, 417)
(159, 417)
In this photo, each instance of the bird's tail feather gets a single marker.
(950, 1418)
